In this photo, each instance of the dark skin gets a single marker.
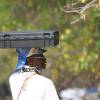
(39, 62)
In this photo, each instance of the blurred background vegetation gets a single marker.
(75, 62)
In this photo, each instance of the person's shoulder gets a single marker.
(44, 79)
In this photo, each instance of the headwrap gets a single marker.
(24, 53)
(22, 56)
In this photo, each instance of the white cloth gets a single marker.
(36, 87)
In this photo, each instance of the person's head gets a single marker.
(36, 60)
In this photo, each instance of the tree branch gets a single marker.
(73, 8)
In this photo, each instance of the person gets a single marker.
(27, 82)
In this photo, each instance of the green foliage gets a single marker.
(79, 46)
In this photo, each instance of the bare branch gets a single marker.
(70, 11)
(78, 19)
(72, 8)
